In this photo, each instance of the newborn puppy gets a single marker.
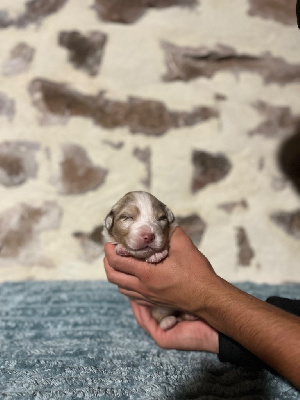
(141, 226)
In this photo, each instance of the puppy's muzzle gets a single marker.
(147, 237)
(143, 237)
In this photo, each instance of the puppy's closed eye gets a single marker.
(162, 218)
(125, 217)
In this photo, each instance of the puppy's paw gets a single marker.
(168, 322)
(121, 251)
(157, 257)
(188, 317)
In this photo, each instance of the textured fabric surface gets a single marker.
(79, 340)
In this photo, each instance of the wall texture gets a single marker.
(196, 101)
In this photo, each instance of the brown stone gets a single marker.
(208, 168)
(186, 63)
(19, 60)
(58, 103)
(288, 221)
(198, 115)
(278, 121)
(283, 11)
(150, 117)
(113, 145)
(36, 11)
(91, 243)
(5, 20)
(245, 253)
(86, 50)
(17, 162)
(193, 226)
(144, 155)
(77, 173)
(7, 106)
(19, 230)
(129, 11)
(220, 97)
(233, 205)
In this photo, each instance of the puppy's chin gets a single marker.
(144, 253)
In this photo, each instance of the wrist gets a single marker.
(208, 296)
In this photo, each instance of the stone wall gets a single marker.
(196, 101)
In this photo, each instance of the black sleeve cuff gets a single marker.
(233, 352)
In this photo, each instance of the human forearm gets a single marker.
(267, 332)
(233, 352)
(185, 280)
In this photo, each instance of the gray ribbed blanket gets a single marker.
(79, 340)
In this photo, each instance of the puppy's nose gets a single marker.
(148, 237)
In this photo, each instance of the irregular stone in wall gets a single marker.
(7, 106)
(278, 122)
(58, 103)
(148, 116)
(77, 173)
(278, 183)
(186, 63)
(233, 205)
(288, 221)
(36, 11)
(5, 20)
(86, 50)
(198, 115)
(144, 155)
(208, 168)
(282, 11)
(113, 145)
(20, 227)
(193, 226)
(17, 162)
(91, 243)
(129, 11)
(245, 253)
(220, 97)
(19, 60)
(289, 158)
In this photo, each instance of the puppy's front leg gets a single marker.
(157, 257)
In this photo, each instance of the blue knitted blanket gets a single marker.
(79, 340)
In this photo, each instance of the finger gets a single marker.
(134, 295)
(149, 323)
(137, 309)
(142, 303)
(128, 265)
(120, 279)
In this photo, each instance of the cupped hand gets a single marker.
(182, 281)
(186, 335)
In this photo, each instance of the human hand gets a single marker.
(186, 335)
(182, 281)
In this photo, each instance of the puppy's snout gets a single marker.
(147, 237)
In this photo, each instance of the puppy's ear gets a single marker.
(109, 220)
(170, 215)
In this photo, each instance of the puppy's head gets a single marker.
(140, 223)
